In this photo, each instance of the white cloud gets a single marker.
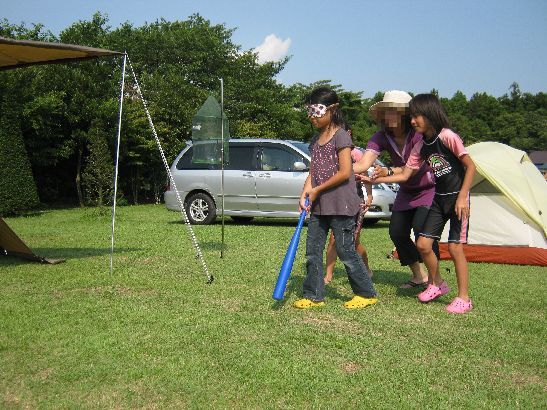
(272, 49)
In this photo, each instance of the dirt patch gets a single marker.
(350, 367)
(44, 373)
(523, 380)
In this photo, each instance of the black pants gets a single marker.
(399, 231)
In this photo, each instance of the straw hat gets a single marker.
(392, 99)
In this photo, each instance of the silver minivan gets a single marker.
(263, 178)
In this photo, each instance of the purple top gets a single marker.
(341, 199)
(419, 190)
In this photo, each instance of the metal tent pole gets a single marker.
(117, 160)
(222, 160)
(199, 254)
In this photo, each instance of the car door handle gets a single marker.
(248, 174)
(266, 175)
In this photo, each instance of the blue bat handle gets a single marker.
(286, 266)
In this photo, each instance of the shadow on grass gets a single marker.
(389, 278)
(294, 286)
(213, 245)
(63, 253)
(395, 280)
(46, 209)
(290, 222)
(254, 222)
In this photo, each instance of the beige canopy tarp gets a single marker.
(24, 53)
(12, 245)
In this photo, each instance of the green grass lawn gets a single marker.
(154, 334)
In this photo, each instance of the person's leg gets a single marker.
(431, 231)
(344, 240)
(425, 247)
(462, 270)
(400, 225)
(419, 275)
(361, 250)
(456, 237)
(436, 287)
(314, 286)
(418, 223)
(331, 259)
(359, 218)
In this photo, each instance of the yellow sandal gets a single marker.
(359, 302)
(307, 303)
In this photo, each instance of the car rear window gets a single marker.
(185, 162)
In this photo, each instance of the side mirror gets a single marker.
(300, 166)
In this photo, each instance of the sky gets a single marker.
(362, 45)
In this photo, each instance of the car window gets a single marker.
(241, 157)
(185, 162)
(279, 159)
(302, 146)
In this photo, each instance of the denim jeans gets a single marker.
(343, 228)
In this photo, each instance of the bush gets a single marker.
(17, 186)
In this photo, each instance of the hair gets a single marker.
(346, 126)
(429, 106)
(327, 96)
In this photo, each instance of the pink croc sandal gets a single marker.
(433, 292)
(459, 305)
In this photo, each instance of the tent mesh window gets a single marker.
(207, 134)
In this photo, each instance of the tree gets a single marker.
(98, 174)
(17, 187)
(484, 107)
(457, 105)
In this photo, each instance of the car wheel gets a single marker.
(242, 219)
(200, 209)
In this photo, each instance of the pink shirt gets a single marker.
(449, 138)
(356, 154)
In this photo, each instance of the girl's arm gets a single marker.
(345, 170)
(380, 171)
(462, 204)
(366, 161)
(402, 176)
(368, 189)
(305, 192)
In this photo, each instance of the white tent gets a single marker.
(508, 222)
